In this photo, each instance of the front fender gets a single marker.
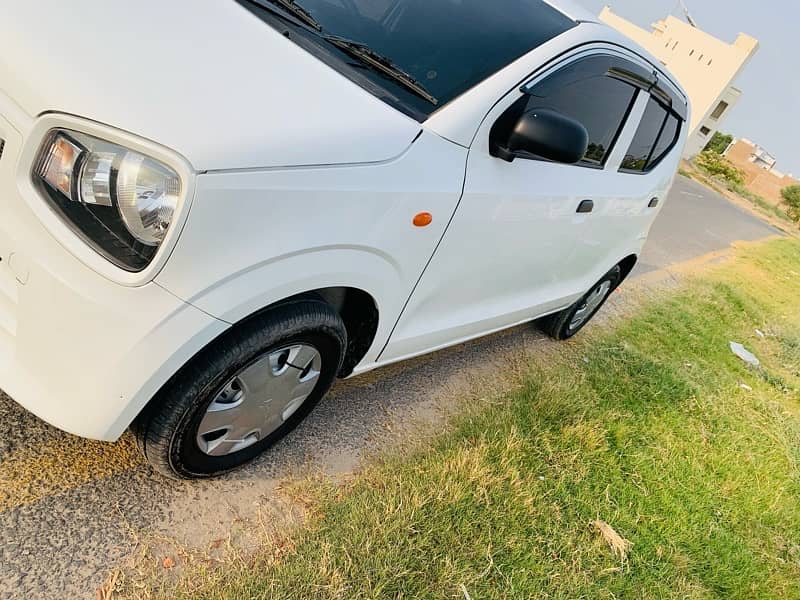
(254, 238)
(245, 293)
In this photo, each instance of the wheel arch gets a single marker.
(358, 310)
(626, 265)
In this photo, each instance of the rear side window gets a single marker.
(656, 136)
(598, 101)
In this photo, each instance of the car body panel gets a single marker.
(574, 11)
(303, 229)
(518, 227)
(68, 336)
(168, 76)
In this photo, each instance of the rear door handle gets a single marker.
(586, 206)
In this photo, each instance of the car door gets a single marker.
(513, 250)
(643, 166)
(649, 165)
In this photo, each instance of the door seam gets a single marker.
(430, 259)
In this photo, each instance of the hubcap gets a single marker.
(590, 304)
(259, 399)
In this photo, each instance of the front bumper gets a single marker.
(78, 350)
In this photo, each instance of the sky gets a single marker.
(769, 110)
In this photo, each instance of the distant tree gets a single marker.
(719, 142)
(595, 152)
(791, 196)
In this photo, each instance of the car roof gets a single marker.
(574, 11)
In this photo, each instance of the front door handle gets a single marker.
(586, 206)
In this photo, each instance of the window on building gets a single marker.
(657, 133)
(720, 110)
(710, 60)
(705, 130)
(675, 45)
(691, 53)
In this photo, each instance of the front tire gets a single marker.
(243, 392)
(565, 324)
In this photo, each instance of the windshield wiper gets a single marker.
(293, 8)
(364, 53)
(368, 56)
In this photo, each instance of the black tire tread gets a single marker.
(556, 325)
(156, 426)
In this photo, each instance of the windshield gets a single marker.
(448, 46)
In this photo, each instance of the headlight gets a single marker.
(120, 201)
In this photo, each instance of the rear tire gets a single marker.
(243, 392)
(568, 322)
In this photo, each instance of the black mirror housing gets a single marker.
(544, 133)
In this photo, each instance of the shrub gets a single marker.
(718, 166)
(719, 142)
(791, 196)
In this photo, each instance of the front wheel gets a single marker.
(244, 392)
(565, 324)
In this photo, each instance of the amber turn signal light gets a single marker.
(423, 219)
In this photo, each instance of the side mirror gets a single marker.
(545, 133)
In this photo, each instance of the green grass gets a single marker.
(760, 202)
(644, 426)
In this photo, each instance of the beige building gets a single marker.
(704, 65)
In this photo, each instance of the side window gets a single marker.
(656, 136)
(600, 104)
(587, 92)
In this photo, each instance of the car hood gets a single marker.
(205, 78)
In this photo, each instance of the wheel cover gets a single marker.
(590, 305)
(259, 399)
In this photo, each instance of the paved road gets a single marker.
(71, 509)
(694, 222)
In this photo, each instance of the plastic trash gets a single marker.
(745, 354)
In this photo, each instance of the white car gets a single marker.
(211, 210)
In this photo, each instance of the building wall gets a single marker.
(704, 65)
(758, 178)
(699, 138)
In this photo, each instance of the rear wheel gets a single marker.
(565, 324)
(244, 392)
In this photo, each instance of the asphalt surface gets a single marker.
(71, 510)
(694, 222)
